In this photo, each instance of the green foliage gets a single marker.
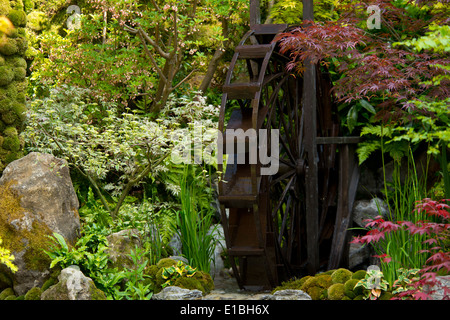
(7, 258)
(172, 273)
(291, 11)
(193, 225)
(373, 283)
(341, 275)
(405, 279)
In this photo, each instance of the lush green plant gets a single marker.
(405, 279)
(7, 258)
(373, 283)
(193, 225)
(138, 53)
(138, 285)
(172, 273)
(97, 141)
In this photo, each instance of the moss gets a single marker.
(205, 280)
(151, 271)
(19, 73)
(11, 143)
(294, 284)
(37, 21)
(360, 274)
(329, 272)
(5, 7)
(336, 292)
(12, 297)
(6, 75)
(165, 263)
(10, 132)
(189, 283)
(6, 293)
(316, 286)
(33, 294)
(341, 275)
(17, 17)
(385, 295)
(349, 286)
(359, 297)
(33, 241)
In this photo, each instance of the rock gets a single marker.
(358, 254)
(175, 244)
(441, 289)
(288, 294)
(217, 265)
(177, 293)
(73, 285)
(37, 199)
(120, 245)
(368, 209)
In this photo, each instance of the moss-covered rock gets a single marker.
(6, 75)
(360, 274)
(165, 263)
(341, 275)
(6, 293)
(317, 286)
(336, 291)
(17, 17)
(33, 294)
(349, 288)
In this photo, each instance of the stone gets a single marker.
(120, 245)
(359, 254)
(441, 288)
(177, 293)
(368, 209)
(217, 264)
(73, 285)
(288, 294)
(37, 199)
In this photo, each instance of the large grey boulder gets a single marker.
(36, 199)
(73, 285)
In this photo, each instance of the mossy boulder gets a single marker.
(341, 275)
(316, 287)
(6, 293)
(33, 294)
(73, 285)
(336, 291)
(17, 17)
(37, 199)
(6, 75)
(359, 274)
(349, 288)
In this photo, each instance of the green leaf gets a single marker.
(366, 105)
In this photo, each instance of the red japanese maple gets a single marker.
(366, 61)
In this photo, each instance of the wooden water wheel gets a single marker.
(289, 183)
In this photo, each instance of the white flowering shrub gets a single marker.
(115, 152)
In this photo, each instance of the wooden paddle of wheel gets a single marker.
(293, 220)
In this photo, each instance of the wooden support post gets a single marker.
(255, 12)
(310, 133)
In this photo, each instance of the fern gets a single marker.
(366, 148)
